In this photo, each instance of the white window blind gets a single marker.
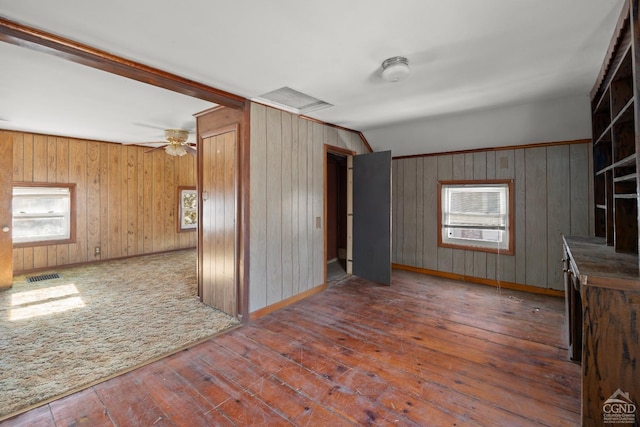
(41, 214)
(475, 215)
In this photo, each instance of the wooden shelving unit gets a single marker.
(602, 273)
(614, 119)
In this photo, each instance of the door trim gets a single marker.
(348, 154)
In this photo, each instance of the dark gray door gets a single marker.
(372, 217)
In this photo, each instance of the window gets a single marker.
(42, 213)
(476, 215)
(188, 209)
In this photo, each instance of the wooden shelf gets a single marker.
(630, 177)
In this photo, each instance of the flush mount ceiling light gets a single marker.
(395, 69)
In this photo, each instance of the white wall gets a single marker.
(546, 121)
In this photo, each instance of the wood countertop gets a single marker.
(600, 265)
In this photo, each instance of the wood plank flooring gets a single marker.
(423, 352)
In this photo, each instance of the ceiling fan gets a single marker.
(175, 143)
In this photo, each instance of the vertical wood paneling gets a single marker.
(445, 172)
(579, 192)
(230, 167)
(92, 216)
(319, 265)
(171, 202)
(397, 187)
(558, 187)
(132, 200)
(287, 205)
(114, 194)
(115, 203)
(313, 252)
(78, 174)
(430, 227)
(304, 218)
(287, 199)
(420, 225)
(543, 179)
(409, 190)
(158, 203)
(536, 220)
(274, 206)
(520, 216)
(148, 202)
(295, 202)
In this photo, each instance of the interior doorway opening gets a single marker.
(336, 216)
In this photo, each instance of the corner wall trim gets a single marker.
(481, 281)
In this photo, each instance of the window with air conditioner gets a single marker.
(42, 213)
(476, 215)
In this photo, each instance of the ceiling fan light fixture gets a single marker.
(175, 150)
(395, 69)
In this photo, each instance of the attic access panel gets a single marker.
(293, 101)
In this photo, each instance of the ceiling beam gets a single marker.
(31, 38)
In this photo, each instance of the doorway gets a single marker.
(336, 215)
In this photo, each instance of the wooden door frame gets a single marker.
(348, 154)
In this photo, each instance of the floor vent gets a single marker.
(43, 277)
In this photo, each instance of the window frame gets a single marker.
(182, 192)
(509, 250)
(72, 213)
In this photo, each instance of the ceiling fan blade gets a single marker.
(144, 143)
(154, 149)
(145, 125)
(190, 149)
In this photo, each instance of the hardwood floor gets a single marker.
(425, 352)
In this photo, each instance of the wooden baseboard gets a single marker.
(97, 261)
(281, 304)
(481, 281)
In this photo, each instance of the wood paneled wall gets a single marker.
(552, 192)
(287, 196)
(126, 200)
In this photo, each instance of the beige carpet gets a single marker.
(60, 335)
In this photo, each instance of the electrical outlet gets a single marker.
(97, 250)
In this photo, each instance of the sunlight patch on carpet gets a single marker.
(44, 302)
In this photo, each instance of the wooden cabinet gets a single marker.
(603, 325)
(615, 122)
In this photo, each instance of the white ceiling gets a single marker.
(483, 73)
